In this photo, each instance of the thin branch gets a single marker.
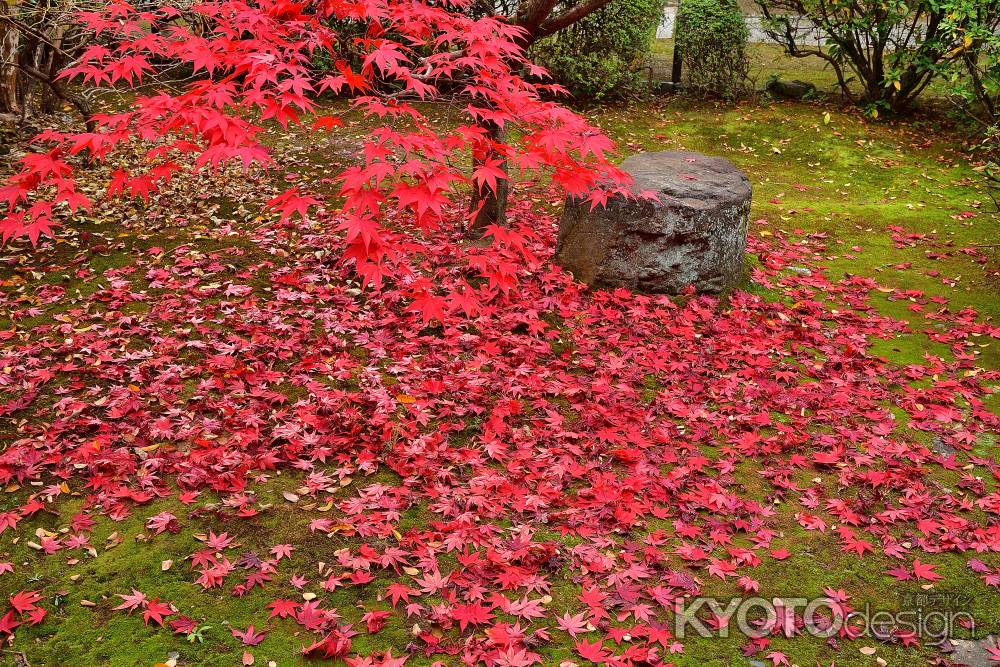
(78, 102)
(27, 30)
(569, 17)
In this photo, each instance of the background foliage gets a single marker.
(885, 54)
(37, 39)
(604, 55)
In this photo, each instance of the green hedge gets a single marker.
(712, 36)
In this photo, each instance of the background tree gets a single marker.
(37, 39)
(975, 79)
(893, 49)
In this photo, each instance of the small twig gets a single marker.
(20, 654)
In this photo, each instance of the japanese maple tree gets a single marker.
(254, 62)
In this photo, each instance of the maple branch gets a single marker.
(569, 17)
(80, 103)
(530, 15)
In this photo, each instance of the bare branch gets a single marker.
(569, 17)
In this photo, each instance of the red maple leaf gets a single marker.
(375, 620)
(334, 645)
(249, 637)
(594, 652)
(994, 651)
(133, 601)
(777, 658)
(24, 601)
(925, 571)
(218, 542)
(8, 623)
(474, 613)
(283, 608)
(573, 625)
(163, 522)
(280, 551)
(398, 591)
(36, 615)
(156, 611)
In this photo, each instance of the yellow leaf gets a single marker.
(405, 399)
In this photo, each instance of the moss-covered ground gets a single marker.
(897, 202)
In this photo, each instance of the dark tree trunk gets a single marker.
(488, 206)
(539, 20)
(677, 65)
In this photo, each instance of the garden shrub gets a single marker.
(974, 81)
(605, 54)
(712, 36)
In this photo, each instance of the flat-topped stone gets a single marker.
(694, 235)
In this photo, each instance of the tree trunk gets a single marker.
(537, 19)
(488, 206)
(50, 63)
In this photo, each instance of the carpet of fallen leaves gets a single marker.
(603, 439)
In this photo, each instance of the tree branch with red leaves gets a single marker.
(254, 63)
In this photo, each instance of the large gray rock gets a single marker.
(696, 233)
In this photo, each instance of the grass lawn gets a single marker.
(849, 199)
